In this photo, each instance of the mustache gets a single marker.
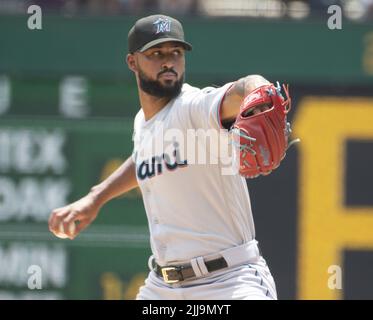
(167, 70)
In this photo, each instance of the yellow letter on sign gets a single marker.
(326, 227)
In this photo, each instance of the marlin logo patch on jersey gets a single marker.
(162, 25)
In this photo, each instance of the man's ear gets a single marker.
(131, 62)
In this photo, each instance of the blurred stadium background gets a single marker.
(67, 102)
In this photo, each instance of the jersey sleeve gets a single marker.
(204, 110)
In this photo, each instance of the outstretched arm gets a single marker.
(86, 209)
(236, 94)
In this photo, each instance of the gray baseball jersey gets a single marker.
(193, 209)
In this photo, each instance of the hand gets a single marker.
(260, 109)
(81, 212)
(261, 131)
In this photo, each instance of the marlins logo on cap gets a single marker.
(162, 25)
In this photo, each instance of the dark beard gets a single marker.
(156, 89)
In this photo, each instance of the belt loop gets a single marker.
(202, 266)
(195, 267)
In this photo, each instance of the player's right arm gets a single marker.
(86, 209)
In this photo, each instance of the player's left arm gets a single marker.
(236, 94)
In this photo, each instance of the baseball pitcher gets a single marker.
(201, 226)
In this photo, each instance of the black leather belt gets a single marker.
(173, 274)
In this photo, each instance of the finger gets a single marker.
(69, 225)
(54, 220)
(52, 217)
(72, 216)
(70, 231)
(83, 224)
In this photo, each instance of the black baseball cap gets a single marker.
(152, 30)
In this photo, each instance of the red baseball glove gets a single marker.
(260, 132)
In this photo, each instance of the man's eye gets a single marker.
(177, 52)
(156, 53)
